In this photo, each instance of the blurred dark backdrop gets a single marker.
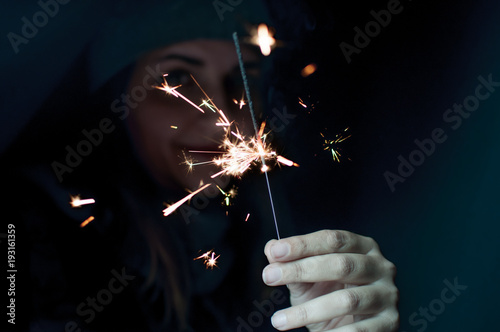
(442, 222)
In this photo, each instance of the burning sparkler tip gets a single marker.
(76, 201)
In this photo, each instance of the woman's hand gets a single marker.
(338, 281)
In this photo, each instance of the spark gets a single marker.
(240, 153)
(209, 259)
(263, 38)
(308, 70)
(173, 91)
(301, 102)
(240, 102)
(208, 103)
(310, 107)
(229, 195)
(248, 216)
(223, 120)
(87, 221)
(77, 202)
(287, 162)
(175, 206)
(331, 144)
(174, 127)
(212, 262)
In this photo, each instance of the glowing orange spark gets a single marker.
(308, 70)
(77, 202)
(175, 206)
(212, 261)
(205, 255)
(174, 127)
(209, 259)
(248, 216)
(302, 103)
(240, 102)
(264, 39)
(85, 223)
(238, 155)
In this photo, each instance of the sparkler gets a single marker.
(250, 105)
(264, 39)
(209, 259)
(77, 202)
(242, 153)
(332, 144)
(238, 153)
(173, 207)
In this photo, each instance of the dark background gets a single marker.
(442, 222)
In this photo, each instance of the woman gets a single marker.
(337, 280)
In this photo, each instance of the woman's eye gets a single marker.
(178, 77)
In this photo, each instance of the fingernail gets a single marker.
(271, 275)
(280, 250)
(278, 320)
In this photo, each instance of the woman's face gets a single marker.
(165, 128)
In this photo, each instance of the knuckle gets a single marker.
(392, 320)
(299, 245)
(299, 272)
(392, 269)
(351, 300)
(394, 293)
(301, 314)
(335, 239)
(373, 243)
(345, 266)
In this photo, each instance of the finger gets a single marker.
(363, 300)
(318, 243)
(384, 322)
(345, 268)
